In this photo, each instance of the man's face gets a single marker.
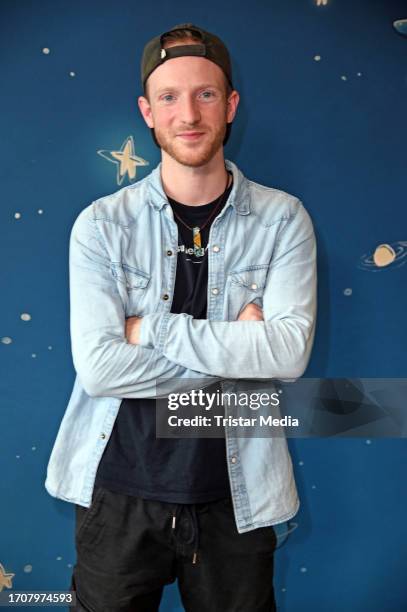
(188, 108)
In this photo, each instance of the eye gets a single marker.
(207, 94)
(167, 98)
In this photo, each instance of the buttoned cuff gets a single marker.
(153, 330)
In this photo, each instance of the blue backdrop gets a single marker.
(323, 88)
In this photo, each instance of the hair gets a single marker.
(186, 36)
(189, 36)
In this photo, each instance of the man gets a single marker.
(192, 272)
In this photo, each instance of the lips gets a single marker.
(190, 135)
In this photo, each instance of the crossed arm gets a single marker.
(114, 358)
(251, 312)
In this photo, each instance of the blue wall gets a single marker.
(331, 131)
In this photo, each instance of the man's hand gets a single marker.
(251, 312)
(132, 329)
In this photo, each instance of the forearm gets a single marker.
(117, 369)
(237, 349)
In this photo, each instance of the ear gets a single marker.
(145, 110)
(232, 104)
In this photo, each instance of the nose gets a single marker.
(190, 113)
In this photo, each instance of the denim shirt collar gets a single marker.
(239, 197)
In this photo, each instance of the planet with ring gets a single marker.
(385, 256)
(400, 25)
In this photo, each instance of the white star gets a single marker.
(125, 159)
(5, 579)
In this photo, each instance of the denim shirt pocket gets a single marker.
(132, 284)
(244, 286)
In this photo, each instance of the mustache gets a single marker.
(191, 128)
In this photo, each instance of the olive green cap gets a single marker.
(210, 47)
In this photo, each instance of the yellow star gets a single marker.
(5, 579)
(125, 159)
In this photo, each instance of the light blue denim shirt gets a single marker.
(122, 262)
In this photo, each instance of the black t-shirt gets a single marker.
(135, 461)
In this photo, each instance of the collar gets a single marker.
(239, 197)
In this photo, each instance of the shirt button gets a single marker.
(253, 286)
(216, 249)
(233, 459)
(166, 296)
(215, 291)
(103, 436)
(169, 253)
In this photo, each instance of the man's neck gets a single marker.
(194, 186)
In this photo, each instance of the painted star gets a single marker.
(322, 2)
(5, 579)
(125, 159)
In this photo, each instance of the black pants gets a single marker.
(128, 549)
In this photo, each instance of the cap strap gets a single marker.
(181, 50)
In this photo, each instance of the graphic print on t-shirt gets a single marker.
(192, 254)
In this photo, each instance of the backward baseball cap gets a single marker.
(211, 47)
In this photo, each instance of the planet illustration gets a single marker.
(384, 256)
(400, 25)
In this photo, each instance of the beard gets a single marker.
(191, 154)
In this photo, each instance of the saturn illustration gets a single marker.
(385, 255)
(401, 26)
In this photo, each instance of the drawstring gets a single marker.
(194, 537)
